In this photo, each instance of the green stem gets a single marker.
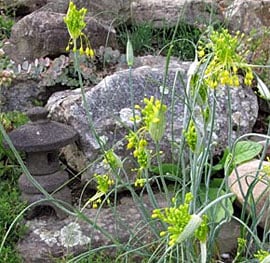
(215, 202)
(161, 171)
(132, 97)
(203, 252)
(84, 101)
(229, 118)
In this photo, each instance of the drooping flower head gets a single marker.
(154, 115)
(75, 22)
(225, 60)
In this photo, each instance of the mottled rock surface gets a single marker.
(44, 33)
(195, 12)
(52, 238)
(23, 95)
(248, 182)
(138, 11)
(112, 96)
(247, 15)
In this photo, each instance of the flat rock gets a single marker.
(51, 238)
(23, 95)
(247, 15)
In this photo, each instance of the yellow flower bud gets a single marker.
(81, 51)
(129, 54)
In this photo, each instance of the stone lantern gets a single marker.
(41, 140)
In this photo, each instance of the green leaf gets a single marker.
(246, 150)
(220, 165)
(167, 168)
(219, 211)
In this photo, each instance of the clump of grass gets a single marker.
(146, 39)
(6, 23)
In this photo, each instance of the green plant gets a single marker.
(263, 256)
(185, 36)
(10, 205)
(6, 23)
(9, 198)
(139, 35)
(146, 39)
(243, 152)
(59, 71)
(218, 64)
(8, 164)
(197, 205)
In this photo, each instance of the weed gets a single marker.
(6, 23)
(146, 39)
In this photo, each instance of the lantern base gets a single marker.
(63, 195)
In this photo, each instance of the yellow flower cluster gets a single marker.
(75, 23)
(180, 222)
(154, 116)
(140, 182)
(112, 159)
(176, 217)
(221, 52)
(104, 182)
(262, 256)
(153, 123)
(191, 136)
(140, 149)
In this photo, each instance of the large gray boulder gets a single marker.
(168, 12)
(110, 102)
(247, 15)
(44, 33)
(149, 11)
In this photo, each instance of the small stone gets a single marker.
(248, 175)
